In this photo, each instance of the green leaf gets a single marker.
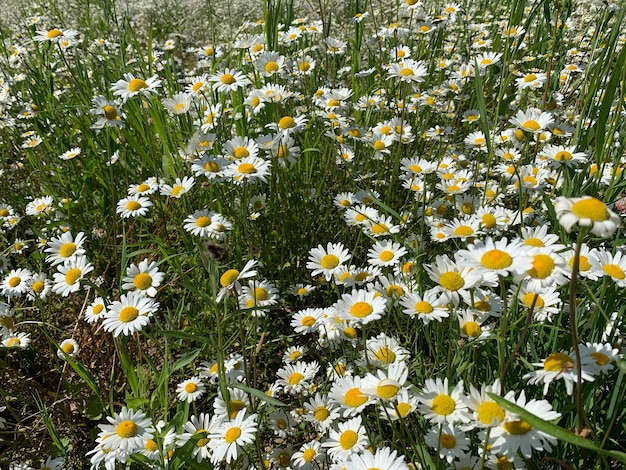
(183, 361)
(554, 430)
(257, 393)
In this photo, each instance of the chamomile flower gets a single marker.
(179, 187)
(598, 358)
(129, 314)
(321, 412)
(327, 261)
(248, 169)
(533, 120)
(548, 268)
(15, 284)
(127, 431)
(96, 310)
(439, 405)
(612, 266)
(427, 307)
(230, 279)
(531, 80)
(559, 155)
(55, 35)
(452, 279)
(67, 280)
(386, 253)
(382, 351)
(349, 438)
(133, 206)
(16, 340)
(408, 70)
(70, 154)
(147, 187)
(383, 458)
(346, 393)
(64, 248)
(485, 411)
(361, 306)
(386, 384)
(500, 257)
(586, 211)
(109, 112)
(448, 440)
(68, 346)
(307, 321)
(228, 80)
(515, 435)
(200, 428)
(190, 390)
(302, 290)
(238, 400)
(294, 353)
(309, 456)
(296, 377)
(239, 148)
(227, 440)
(558, 365)
(143, 278)
(131, 86)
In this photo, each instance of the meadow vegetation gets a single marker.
(384, 235)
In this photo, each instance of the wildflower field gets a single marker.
(360, 235)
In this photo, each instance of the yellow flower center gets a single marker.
(97, 309)
(379, 145)
(246, 168)
(385, 355)
(406, 72)
(517, 428)
(488, 220)
(530, 78)
(295, 355)
(72, 276)
(284, 458)
(350, 332)
(448, 441)
(203, 221)
(386, 256)
(110, 112)
(308, 454)
(232, 435)
(451, 281)
(13, 342)
(496, 259)
(132, 205)
(557, 362)
(396, 291)
(54, 33)
(202, 441)
(38, 287)
(143, 187)
(387, 391)
(229, 277)
(542, 266)
(488, 411)
(614, 271)
(286, 122)
(333, 103)
(354, 398)
(590, 208)
(142, 281)
(404, 409)
(563, 156)
(15, 281)
(137, 84)
(241, 152)
(379, 229)
(530, 297)
(308, 321)
(151, 446)
(583, 263)
(471, 329)
(423, 307)
(304, 66)
(68, 348)
(443, 405)
(212, 167)
(295, 378)
(302, 291)
(127, 429)
(176, 190)
(531, 125)
(128, 314)
(600, 358)
(321, 413)
(191, 387)
(227, 79)
(534, 242)
(361, 309)
(329, 261)
(235, 407)
(348, 439)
